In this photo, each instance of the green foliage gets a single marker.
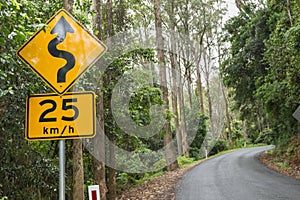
(237, 134)
(126, 180)
(141, 102)
(160, 164)
(201, 132)
(185, 161)
(25, 173)
(142, 99)
(266, 136)
(83, 12)
(263, 68)
(288, 156)
(149, 176)
(195, 153)
(240, 143)
(245, 64)
(220, 145)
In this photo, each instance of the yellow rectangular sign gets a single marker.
(54, 117)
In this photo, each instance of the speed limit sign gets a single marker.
(54, 117)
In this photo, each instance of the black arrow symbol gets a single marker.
(61, 28)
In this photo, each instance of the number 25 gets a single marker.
(65, 107)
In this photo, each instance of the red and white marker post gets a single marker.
(94, 192)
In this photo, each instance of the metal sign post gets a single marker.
(62, 161)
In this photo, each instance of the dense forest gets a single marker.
(179, 81)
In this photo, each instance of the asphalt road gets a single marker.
(237, 176)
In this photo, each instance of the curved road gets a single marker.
(237, 176)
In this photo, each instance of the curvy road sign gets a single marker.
(61, 51)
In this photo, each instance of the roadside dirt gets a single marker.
(289, 161)
(277, 164)
(160, 188)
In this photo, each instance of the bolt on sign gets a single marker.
(54, 117)
(61, 51)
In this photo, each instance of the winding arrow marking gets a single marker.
(61, 29)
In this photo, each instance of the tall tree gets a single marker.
(99, 165)
(220, 58)
(198, 70)
(111, 177)
(78, 175)
(169, 147)
(174, 75)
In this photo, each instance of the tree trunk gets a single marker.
(239, 5)
(227, 116)
(121, 15)
(288, 5)
(97, 23)
(182, 118)
(175, 111)
(244, 129)
(78, 175)
(199, 89)
(198, 71)
(99, 178)
(99, 148)
(174, 78)
(223, 89)
(111, 172)
(111, 179)
(99, 165)
(171, 160)
(109, 18)
(207, 79)
(189, 83)
(68, 5)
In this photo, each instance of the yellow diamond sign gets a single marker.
(62, 51)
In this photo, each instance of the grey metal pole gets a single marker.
(62, 170)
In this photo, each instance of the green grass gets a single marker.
(185, 161)
(284, 165)
(149, 177)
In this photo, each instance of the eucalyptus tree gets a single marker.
(169, 151)
(99, 165)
